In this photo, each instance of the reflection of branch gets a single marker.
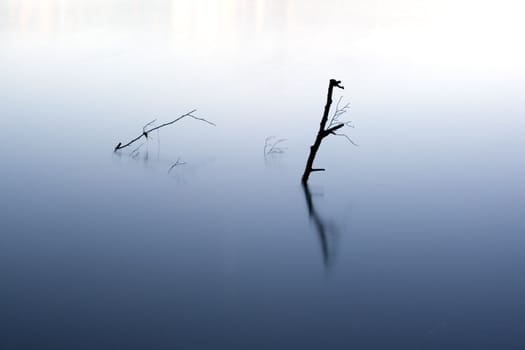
(146, 132)
(135, 153)
(321, 227)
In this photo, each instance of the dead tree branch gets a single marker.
(326, 130)
(146, 131)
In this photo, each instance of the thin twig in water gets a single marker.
(150, 123)
(177, 163)
(145, 132)
(136, 152)
(348, 138)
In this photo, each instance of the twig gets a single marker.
(146, 132)
(136, 152)
(177, 163)
(348, 138)
(338, 112)
(150, 123)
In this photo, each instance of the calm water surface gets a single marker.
(413, 240)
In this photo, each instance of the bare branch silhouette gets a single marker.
(325, 130)
(146, 132)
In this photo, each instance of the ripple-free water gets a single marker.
(416, 236)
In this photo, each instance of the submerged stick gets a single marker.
(323, 132)
(146, 132)
(177, 163)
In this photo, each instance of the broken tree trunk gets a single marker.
(323, 132)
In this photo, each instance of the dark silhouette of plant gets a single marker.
(326, 130)
(146, 131)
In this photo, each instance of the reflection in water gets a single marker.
(327, 231)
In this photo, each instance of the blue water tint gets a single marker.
(412, 240)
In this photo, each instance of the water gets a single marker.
(414, 239)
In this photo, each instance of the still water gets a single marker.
(412, 240)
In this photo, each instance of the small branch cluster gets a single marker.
(146, 131)
(272, 146)
(339, 111)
